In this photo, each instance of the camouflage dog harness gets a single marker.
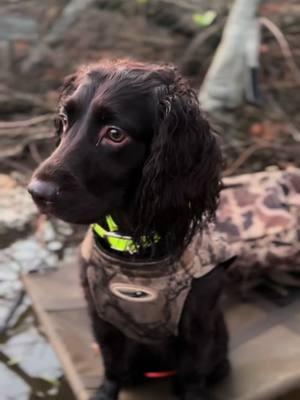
(258, 216)
(144, 299)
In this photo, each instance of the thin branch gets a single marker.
(16, 166)
(279, 85)
(16, 369)
(198, 41)
(284, 45)
(294, 132)
(35, 100)
(293, 150)
(11, 312)
(27, 122)
(11, 149)
(244, 157)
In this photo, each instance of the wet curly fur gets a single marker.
(164, 178)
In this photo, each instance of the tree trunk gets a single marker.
(234, 66)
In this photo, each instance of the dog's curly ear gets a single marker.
(181, 178)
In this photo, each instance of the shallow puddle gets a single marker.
(29, 368)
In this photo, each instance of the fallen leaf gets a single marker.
(205, 19)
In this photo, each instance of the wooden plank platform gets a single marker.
(265, 342)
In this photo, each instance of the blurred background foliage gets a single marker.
(43, 41)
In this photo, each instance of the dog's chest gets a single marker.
(143, 308)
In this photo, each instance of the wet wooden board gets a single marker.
(265, 342)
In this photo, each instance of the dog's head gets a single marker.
(131, 137)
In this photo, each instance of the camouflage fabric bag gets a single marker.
(259, 214)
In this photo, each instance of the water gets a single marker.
(29, 368)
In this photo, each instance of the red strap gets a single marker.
(159, 374)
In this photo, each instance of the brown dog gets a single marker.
(137, 159)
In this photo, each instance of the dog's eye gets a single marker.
(114, 134)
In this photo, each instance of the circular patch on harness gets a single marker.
(133, 293)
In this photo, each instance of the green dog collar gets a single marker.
(118, 242)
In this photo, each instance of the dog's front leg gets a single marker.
(203, 339)
(118, 354)
(191, 379)
(110, 387)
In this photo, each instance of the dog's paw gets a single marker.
(108, 391)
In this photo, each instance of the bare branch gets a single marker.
(244, 157)
(198, 41)
(26, 123)
(284, 45)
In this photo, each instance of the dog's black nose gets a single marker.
(43, 191)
